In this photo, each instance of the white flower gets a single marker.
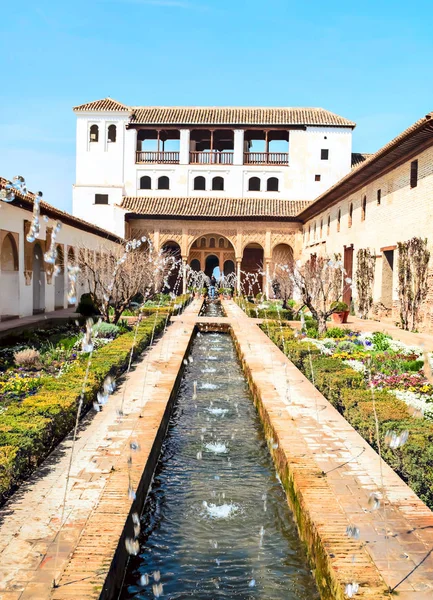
(356, 365)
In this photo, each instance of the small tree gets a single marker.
(320, 283)
(364, 280)
(413, 260)
(282, 286)
(115, 275)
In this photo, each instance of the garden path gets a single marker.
(34, 321)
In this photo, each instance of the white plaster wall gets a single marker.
(102, 162)
(12, 219)
(107, 216)
(111, 168)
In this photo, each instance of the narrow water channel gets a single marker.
(216, 522)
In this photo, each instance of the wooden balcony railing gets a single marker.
(266, 158)
(167, 158)
(211, 158)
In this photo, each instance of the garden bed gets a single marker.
(361, 373)
(32, 426)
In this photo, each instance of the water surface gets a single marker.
(216, 523)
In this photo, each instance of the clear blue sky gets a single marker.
(369, 61)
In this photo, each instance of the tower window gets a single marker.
(413, 173)
(218, 184)
(145, 183)
(199, 183)
(317, 177)
(254, 184)
(272, 184)
(101, 198)
(94, 133)
(163, 183)
(324, 154)
(112, 133)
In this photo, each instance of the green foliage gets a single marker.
(336, 332)
(381, 341)
(123, 326)
(339, 307)
(105, 330)
(29, 430)
(365, 260)
(86, 306)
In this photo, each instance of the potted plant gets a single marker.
(221, 292)
(203, 292)
(340, 312)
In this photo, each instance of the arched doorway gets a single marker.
(173, 277)
(9, 290)
(210, 245)
(59, 280)
(252, 269)
(229, 267)
(38, 280)
(71, 263)
(195, 265)
(280, 284)
(212, 262)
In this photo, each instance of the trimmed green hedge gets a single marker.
(348, 392)
(31, 429)
(252, 310)
(182, 301)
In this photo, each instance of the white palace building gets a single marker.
(233, 187)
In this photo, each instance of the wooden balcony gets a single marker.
(164, 158)
(266, 158)
(211, 158)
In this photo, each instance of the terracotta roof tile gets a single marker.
(106, 104)
(219, 115)
(247, 208)
(177, 115)
(26, 201)
(359, 157)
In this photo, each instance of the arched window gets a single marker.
(9, 254)
(218, 184)
(350, 214)
(309, 232)
(321, 227)
(221, 243)
(94, 133)
(254, 184)
(339, 220)
(272, 184)
(315, 229)
(363, 208)
(328, 231)
(112, 133)
(212, 243)
(203, 243)
(163, 183)
(145, 183)
(199, 183)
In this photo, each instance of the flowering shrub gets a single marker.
(18, 385)
(413, 382)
